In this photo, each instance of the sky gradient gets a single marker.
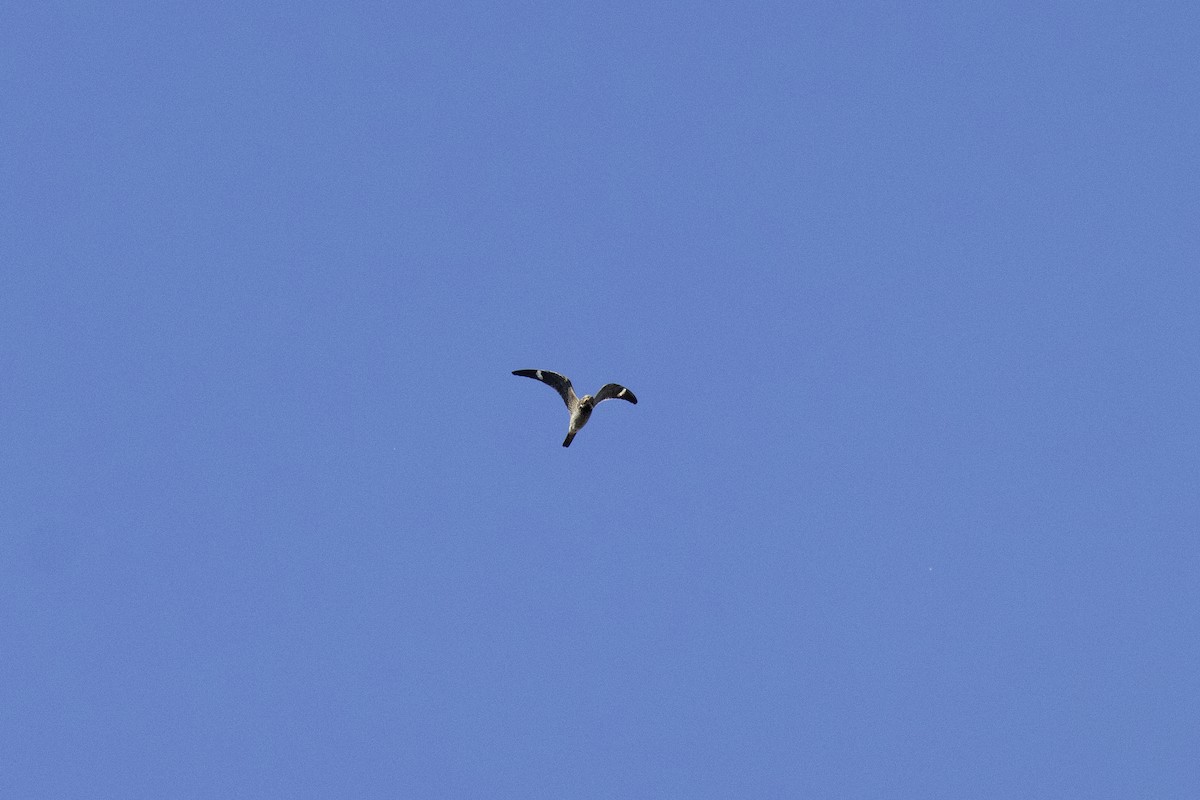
(909, 504)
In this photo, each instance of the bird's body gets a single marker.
(580, 407)
(579, 417)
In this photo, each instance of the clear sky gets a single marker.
(909, 294)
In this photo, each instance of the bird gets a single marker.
(580, 407)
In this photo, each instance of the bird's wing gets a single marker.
(615, 391)
(561, 384)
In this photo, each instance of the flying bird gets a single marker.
(580, 407)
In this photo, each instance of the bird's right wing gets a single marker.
(561, 384)
(615, 391)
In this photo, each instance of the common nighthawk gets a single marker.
(580, 407)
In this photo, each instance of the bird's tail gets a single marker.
(570, 436)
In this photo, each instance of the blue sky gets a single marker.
(909, 295)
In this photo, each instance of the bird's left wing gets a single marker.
(561, 384)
